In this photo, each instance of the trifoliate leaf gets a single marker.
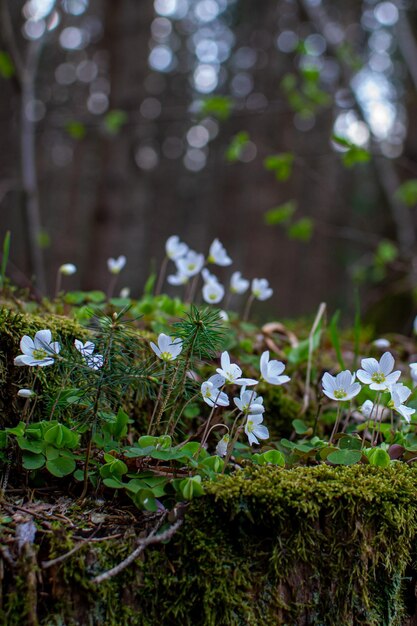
(345, 457)
(61, 466)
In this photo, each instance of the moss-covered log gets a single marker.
(308, 546)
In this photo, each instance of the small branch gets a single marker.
(143, 543)
(78, 546)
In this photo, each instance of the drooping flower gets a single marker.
(40, 351)
(413, 373)
(221, 448)
(341, 387)
(174, 248)
(218, 254)
(378, 375)
(232, 372)
(261, 289)
(213, 292)
(238, 284)
(271, 370)
(167, 349)
(94, 361)
(210, 390)
(400, 394)
(208, 277)
(255, 430)
(26, 393)
(190, 264)
(178, 279)
(249, 402)
(367, 408)
(67, 269)
(115, 266)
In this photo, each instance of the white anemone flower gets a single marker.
(232, 372)
(261, 289)
(381, 343)
(213, 292)
(378, 375)
(249, 402)
(367, 408)
(271, 370)
(238, 284)
(67, 269)
(167, 349)
(341, 387)
(218, 254)
(115, 266)
(40, 351)
(223, 316)
(190, 264)
(178, 279)
(125, 292)
(26, 393)
(210, 390)
(400, 394)
(174, 248)
(413, 373)
(94, 361)
(208, 277)
(255, 430)
(221, 448)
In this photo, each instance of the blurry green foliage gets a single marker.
(302, 230)
(353, 154)
(280, 164)
(236, 147)
(407, 192)
(280, 214)
(303, 93)
(219, 107)
(114, 121)
(6, 65)
(44, 240)
(76, 129)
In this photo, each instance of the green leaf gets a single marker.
(18, 430)
(236, 147)
(302, 230)
(149, 285)
(274, 457)
(280, 214)
(213, 463)
(113, 483)
(280, 164)
(62, 466)
(300, 427)
(76, 130)
(379, 457)
(219, 107)
(7, 69)
(386, 252)
(32, 446)
(192, 410)
(407, 192)
(348, 442)
(299, 354)
(115, 120)
(4, 258)
(191, 487)
(345, 457)
(31, 461)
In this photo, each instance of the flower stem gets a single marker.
(233, 439)
(158, 399)
(248, 307)
(336, 424)
(161, 276)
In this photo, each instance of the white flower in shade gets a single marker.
(167, 349)
(26, 393)
(249, 402)
(367, 408)
(261, 289)
(125, 292)
(208, 277)
(190, 264)
(221, 448)
(213, 292)
(271, 370)
(40, 351)
(255, 430)
(400, 394)
(67, 269)
(238, 284)
(218, 254)
(232, 372)
(415, 325)
(223, 316)
(115, 266)
(378, 375)
(341, 387)
(174, 248)
(381, 343)
(178, 279)
(210, 390)
(413, 373)
(94, 361)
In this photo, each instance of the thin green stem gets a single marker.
(248, 307)
(158, 399)
(336, 424)
(161, 276)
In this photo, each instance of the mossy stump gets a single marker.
(320, 546)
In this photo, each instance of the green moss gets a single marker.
(307, 546)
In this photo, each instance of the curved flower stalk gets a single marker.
(41, 350)
(260, 290)
(67, 269)
(221, 448)
(218, 254)
(400, 394)
(378, 375)
(167, 349)
(271, 371)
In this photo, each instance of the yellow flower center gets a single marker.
(250, 427)
(340, 394)
(40, 354)
(166, 356)
(378, 377)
